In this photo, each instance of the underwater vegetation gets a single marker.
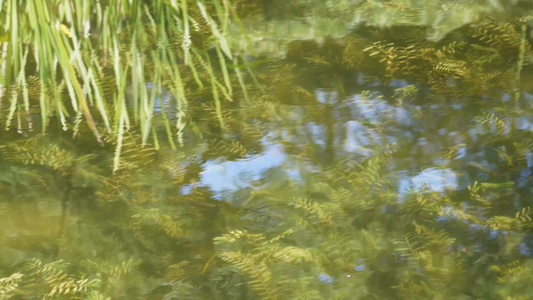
(381, 161)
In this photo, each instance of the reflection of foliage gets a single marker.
(56, 279)
(31, 152)
(335, 226)
(339, 232)
(455, 67)
(48, 281)
(283, 21)
(492, 124)
(513, 279)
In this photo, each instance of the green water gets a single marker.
(363, 163)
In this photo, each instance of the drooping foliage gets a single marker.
(114, 63)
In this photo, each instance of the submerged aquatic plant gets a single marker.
(370, 197)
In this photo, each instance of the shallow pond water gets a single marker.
(375, 163)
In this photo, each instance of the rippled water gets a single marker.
(332, 181)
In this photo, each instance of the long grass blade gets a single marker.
(144, 44)
(224, 69)
(224, 46)
(120, 136)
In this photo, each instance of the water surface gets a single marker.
(387, 162)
